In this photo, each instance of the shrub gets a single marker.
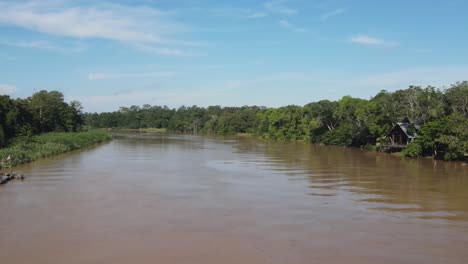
(339, 136)
(27, 149)
(370, 147)
(453, 147)
(413, 150)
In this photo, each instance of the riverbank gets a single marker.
(368, 148)
(27, 149)
(138, 130)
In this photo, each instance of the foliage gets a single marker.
(413, 150)
(447, 136)
(454, 147)
(370, 147)
(457, 98)
(194, 119)
(27, 149)
(441, 115)
(42, 112)
(342, 136)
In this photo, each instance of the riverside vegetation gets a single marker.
(441, 114)
(27, 149)
(41, 126)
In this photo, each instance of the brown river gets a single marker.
(186, 199)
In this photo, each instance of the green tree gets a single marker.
(448, 135)
(456, 98)
(49, 110)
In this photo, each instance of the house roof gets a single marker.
(405, 128)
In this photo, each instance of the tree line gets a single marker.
(44, 111)
(441, 115)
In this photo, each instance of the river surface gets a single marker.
(185, 199)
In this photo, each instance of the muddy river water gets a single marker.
(186, 199)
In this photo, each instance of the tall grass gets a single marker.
(24, 150)
(140, 130)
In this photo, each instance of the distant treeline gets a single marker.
(441, 114)
(42, 112)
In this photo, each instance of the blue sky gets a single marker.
(197, 52)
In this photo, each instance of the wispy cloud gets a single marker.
(170, 52)
(127, 24)
(435, 76)
(286, 24)
(37, 44)
(372, 41)
(44, 45)
(309, 83)
(114, 22)
(332, 13)
(7, 89)
(165, 51)
(226, 12)
(172, 97)
(279, 7)
(106, 76)
(98, 76)
(257, 15)
(366, 40)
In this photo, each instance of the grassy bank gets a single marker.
(24, 150)
(138, 130)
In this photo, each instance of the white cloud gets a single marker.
(367, 40)
(423, 76)
(37, 45)
(390, 80)
(172, 98)
(285, 23)
(231, 12)
(257, 15)
(106, 76)
(169, 52)
(98, 76)
(279, 7)
(101, 21)
(332, 13)
(7, 89)
(289, 25)
(302, 87)
(44, 45)
(165, 51)
(338, 84)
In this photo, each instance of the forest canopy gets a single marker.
(43, 112)
(441, 114)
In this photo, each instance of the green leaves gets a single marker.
(53, 114)
(27, 149)
(42, 112)
(348, 121)
(447, 136)
(413, 150)
(453, 147)
(457, 98)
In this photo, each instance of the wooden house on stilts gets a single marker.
(401, 135)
